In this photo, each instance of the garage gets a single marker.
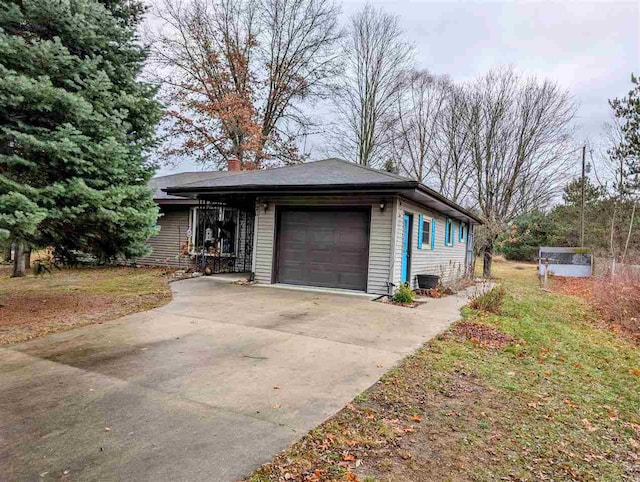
(326, 247)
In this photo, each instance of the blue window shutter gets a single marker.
(420, 228)
(433, 234)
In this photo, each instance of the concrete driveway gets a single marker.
(207, 387)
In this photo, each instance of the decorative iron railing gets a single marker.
(223, 236)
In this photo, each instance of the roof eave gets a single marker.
(439, 197)
(259, 189)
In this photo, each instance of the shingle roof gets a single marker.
(334, 172)
(326, 175)
(161, 182)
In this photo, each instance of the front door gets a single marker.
(406, 248)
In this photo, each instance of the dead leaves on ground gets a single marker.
(481, 334)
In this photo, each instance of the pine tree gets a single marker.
(75, 124)
(627, 110)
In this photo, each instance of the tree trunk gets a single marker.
(626, 244)
(27, 259)
(486, 261)
(18, 260)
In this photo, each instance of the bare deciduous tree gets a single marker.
(431, 138)
(520, 137)
(375, 55)
(419, 112)
(235, 71)
(453, 166)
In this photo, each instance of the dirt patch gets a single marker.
(31, 307)
(25, 317)
(483, 335)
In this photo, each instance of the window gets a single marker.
(214, 230)
(449, 232)
(424, 232)
(462, 232)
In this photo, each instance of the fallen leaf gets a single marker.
(277, 405)
(276, 387)
(404, 454)
(347, 457)
(588, 424)
(416, 419)
(107, 429)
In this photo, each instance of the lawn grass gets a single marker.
(34, 306)
(556, 397)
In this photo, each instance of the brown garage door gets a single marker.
(328, 248)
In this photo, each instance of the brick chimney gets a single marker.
(234, 165)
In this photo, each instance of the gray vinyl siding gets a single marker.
(448, 262)
(380, 240)
(265, 224)
(174, 224)
(380, 248)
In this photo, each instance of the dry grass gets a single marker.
(616, 299)
(535, 392)
(36, 306)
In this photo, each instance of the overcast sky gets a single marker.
(590, 48)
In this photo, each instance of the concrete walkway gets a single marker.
(206, 388)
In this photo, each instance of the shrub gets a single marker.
(403, 295)
(491, 301)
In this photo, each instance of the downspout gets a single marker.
(471, 254)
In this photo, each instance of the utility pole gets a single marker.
(582, 189)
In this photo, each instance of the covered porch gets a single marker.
(221, 237)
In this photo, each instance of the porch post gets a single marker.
(254, 252)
